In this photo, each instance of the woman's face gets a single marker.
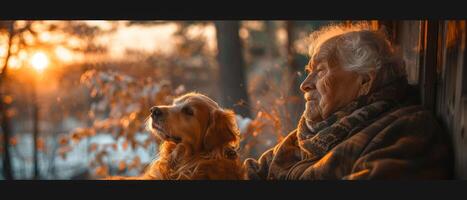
(327, 88)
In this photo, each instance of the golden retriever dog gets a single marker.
(198, 141)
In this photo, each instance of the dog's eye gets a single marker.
(187, 110)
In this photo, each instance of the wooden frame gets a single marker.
(442, 78)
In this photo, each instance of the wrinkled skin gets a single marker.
(328, 87)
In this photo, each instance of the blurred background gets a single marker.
(75, 94)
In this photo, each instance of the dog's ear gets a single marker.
(222, 130)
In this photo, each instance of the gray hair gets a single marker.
(357, 48)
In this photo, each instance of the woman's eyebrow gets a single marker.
(314, 63)
(308, 67)
(310, 64)
(320, 66)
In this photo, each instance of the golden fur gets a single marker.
(197, 141)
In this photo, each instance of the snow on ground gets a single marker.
(77, 160)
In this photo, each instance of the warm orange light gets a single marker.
(39, 61)
(14, 63)
(63, 54)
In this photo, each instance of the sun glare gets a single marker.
(63, 54)
(39, 61)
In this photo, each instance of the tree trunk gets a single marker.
(295, 103)
(5, 118)
(35, 127)
(272, 45)
(231, 67)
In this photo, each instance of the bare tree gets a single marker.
(5, 119)
(271, 29)
(231, 67)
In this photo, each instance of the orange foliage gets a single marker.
(125, 145)
(92, 147)
(13, 141)
(63, 140)
(40, 144)
(62, 151)
(7, 99)
(102, 171)
(122, 165)
(136, 162)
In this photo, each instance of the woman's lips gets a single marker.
(311, 97)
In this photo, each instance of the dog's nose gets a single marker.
(156, 112)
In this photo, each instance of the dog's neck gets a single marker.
(178, 160)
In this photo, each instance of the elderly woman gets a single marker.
(361, 120)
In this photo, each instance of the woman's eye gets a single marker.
(187, 111)
(321, 73)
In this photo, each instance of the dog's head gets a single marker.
(195, 120)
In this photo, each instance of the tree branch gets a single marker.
(11, 34)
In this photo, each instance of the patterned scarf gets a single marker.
(325, 135)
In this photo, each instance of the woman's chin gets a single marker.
(313, 117)
(312, 113)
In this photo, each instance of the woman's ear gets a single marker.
(222, 130)
(367, 81)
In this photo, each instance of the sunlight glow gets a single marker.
(39, 61)
(14, 63)
(45, 36)
(63, 54)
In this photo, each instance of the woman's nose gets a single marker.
(308, 84)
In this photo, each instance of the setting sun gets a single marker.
(39, 61)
